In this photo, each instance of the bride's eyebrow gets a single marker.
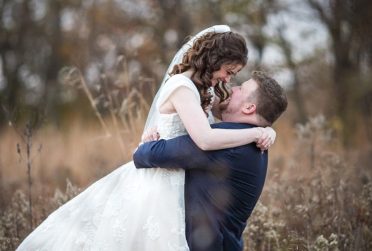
(230, 68)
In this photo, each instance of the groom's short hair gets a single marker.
(270, 97)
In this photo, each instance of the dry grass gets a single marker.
(82, 153)
(314, 198)
(318, 198)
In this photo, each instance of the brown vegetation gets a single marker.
(315, 198)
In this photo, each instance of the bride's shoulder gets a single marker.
(180, 78)
(173, 83)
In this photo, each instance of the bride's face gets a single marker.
(225, 73)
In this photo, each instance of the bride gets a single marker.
(143, 209)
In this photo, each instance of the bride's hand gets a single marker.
(266, 139)
(150, 135)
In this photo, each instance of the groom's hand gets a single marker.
(150, 135)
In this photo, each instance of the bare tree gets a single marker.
(293, 67)
(347, 23)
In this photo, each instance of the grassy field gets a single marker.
(316, 197)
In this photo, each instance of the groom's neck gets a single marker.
(246, 119)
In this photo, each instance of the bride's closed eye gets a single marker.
(231, 73)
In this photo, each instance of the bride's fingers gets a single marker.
(265, 145)
(263, 139)
(266, 142)
(262, 147)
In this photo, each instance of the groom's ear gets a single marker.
(249, 108)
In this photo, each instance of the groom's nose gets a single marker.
(234, 88)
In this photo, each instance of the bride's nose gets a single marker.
(227, 78)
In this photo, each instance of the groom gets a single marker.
(222, 186)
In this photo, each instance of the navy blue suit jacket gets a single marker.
(221, 187)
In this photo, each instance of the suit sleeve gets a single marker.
(180, 152)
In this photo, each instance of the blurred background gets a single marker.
(77, 78)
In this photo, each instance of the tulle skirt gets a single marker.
(129, 209)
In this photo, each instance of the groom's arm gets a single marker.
(180, 152)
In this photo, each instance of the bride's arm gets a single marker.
(193, 117)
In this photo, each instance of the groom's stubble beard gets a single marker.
(223, 105)
(226, 111)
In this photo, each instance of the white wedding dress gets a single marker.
(129, 209)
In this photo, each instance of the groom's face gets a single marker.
(241, 95)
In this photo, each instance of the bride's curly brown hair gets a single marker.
(207, 55)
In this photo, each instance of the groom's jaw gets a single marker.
(227, 116)
(223, 106)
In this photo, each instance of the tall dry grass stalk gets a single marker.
(28, 145)
(124, 103)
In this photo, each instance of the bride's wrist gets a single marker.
(259, 133)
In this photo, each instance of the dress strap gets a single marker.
(173, 84)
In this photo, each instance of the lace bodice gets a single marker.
(170, 125)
